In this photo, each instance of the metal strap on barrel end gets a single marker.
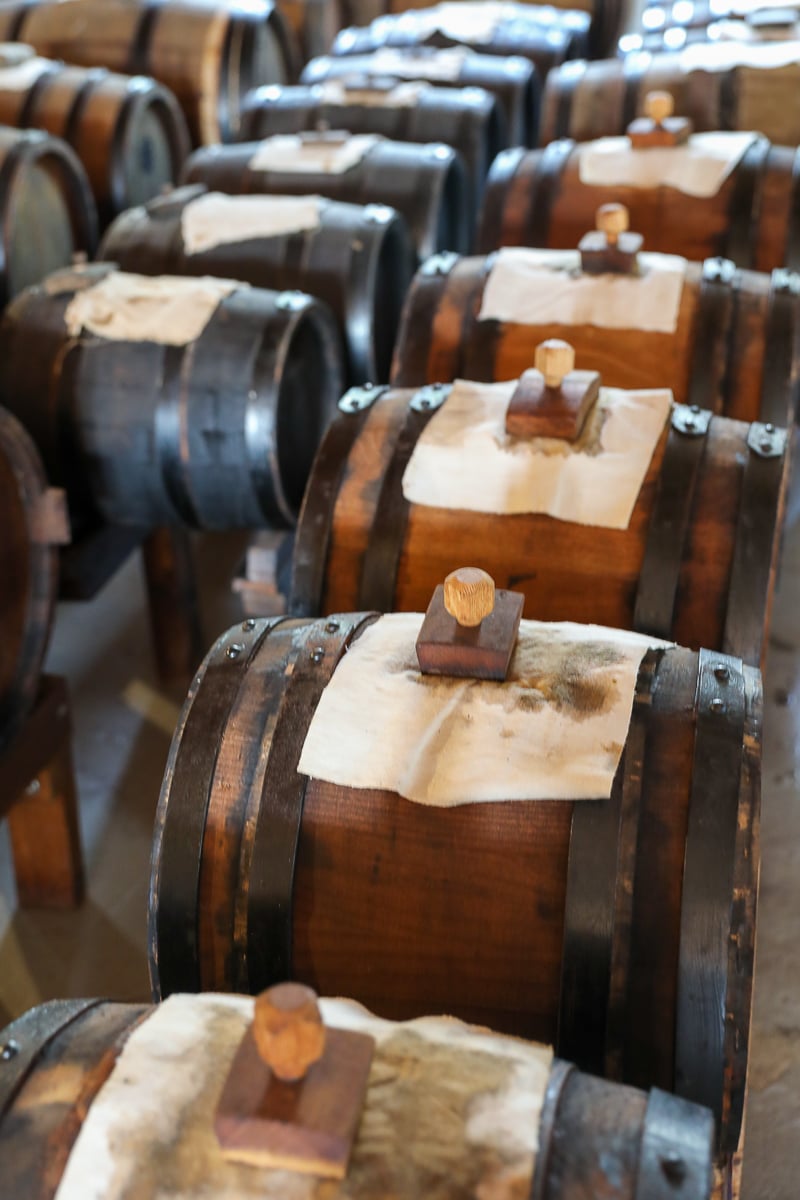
(23, 1042)
(719, 287)
(745, 206)
(780, 375)
(791, 258)
(359, 399)
(552, 161)
(439, 264)
(560, 1072)
(675, 1160)
(567, 79)
(635, 70)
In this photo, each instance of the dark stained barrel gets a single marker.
(716, 85)
(63, 1059)
(732, 344)
(200, 402)
(48, 213)
(468, 119)
(512, 80)
(129, 133)
(751, 217)
(357, 260)
(672, 26)
(622, 929)
(29, 575)
(425, 184)
(209, 55)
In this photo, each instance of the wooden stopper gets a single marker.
(288, 1030)
(469, 595)
(658, 106)
(612, 220)
(555, 359)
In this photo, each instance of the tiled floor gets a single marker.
(122, 722)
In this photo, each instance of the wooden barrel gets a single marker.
(513, 80)
(674, 26)
(718, 86)
(30, 573)
(729, 343)
(468, 119)
(567, 1135)
(48, 213)
(357, 260)
(129, 133)
(424, 184)
(208, 54)
(749, 211)
(171, 401)
(545, 35)
(621, 929)
(314, 23)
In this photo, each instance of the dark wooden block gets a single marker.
(537, 410)
(446, 648)
(308, 1126)
(646, 133)
(597, 256)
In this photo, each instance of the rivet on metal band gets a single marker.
(358, 399)
(720, 270)
(292, 301)
(786, 281)
(691, 420)
(439, 264)
(429, 398)
(766, 440)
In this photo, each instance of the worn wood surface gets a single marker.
(482, 651)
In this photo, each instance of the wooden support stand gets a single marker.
(38, 798)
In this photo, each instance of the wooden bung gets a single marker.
(658, 127)
(469, 595)
(288, 1030)
(610, 246)
(470, 629)
(552, 400)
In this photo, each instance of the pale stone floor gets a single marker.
(121, 743)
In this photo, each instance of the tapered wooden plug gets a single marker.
(296, 1088)
(553, 399)
(470, 628)
(610, 247)
(659, 127)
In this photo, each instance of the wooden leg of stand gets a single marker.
(172, 594)
(45, 838)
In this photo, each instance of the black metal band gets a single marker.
(791, 259)
(675, 1154)
(477, 343)
(714, 324)
(139, 60)
(708, 882)
(669, 522)
(169, 434)
(23, 1042)
(728, 99)
(271, 882)
(385, 546)
(496, 198)
(744, 212)
(552, 161)
(755, 543)
(634, 73)
(80, 100)
(590, 908)
(560, 1072)
(183, 809)
(569, 77)
(315, 524)
(780, 377)
(26, 118)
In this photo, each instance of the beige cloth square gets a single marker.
(547, 287)
(464, 459)
(137, 308)
(216, 219)
(699, 167)
(403, 95)
(22, 75)
(298, 155)
(723, 55)
(554, 730)
(444, 66)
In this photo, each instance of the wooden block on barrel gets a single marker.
(552, 399)
(658, 127)
(610, 247)
(295, 1091)
(470, 628)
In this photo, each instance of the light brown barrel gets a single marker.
(733, 351)
(48, 213)
(539, 199)
(59, 1058)
(585, 100)
(509, 913)
(217, 431)
(209, 55)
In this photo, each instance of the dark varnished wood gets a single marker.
(477, 652)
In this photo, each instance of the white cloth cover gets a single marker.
(23, 75)
(444, 66)
(149, 1132)
(554, 730)
(298, 155)
(138, 308)
(543, 287)
(722, 55)
(593, 481)
(216, 219)
(403, 95)
(697, 168)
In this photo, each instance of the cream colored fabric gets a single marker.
(464, 458)
(23, 75)
(216, 220)
(740, 31)
(723, 55)
(465, 22)
(298, 155)
(448, 1108)
(138, 308)
(553, 731)
(698, 168)
(444, 66)
(403, 95)
(543, 287)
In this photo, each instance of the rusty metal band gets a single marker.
(24, 1041)
(755, 543)
(590, 907)
(780, 377)
(272, 868)
(567, 79)
(676, 1150)
(491, 225)
(179, 845)
(708, 883)
(791, 259)
(744, 213)
(715, 323)
(387, 535)
(669, 522)
(560, 1072)
(315, 524)
(552, 162)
